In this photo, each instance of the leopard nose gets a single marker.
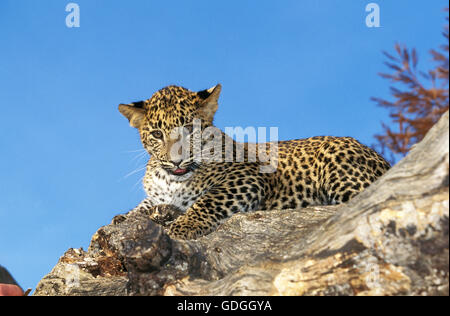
(176, 162)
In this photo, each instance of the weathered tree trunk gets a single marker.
(392, 239)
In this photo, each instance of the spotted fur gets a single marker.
(313, 171)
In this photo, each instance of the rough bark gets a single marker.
(392, 239)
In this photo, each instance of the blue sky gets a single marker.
(308, 67)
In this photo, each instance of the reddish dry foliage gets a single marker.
(417, 108)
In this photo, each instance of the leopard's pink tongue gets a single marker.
(180, 171)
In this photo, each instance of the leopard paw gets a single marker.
(164, 214)
(183, 230)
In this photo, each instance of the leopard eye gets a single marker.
(157, 134)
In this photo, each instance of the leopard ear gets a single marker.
(134, 112)
(209, 103)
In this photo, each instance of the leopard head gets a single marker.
(168, 124)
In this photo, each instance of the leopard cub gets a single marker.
(191, 196)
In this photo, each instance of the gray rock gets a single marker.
(392, 239)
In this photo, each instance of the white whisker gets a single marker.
(139, 181)
(135, 171)
(134, 151)
(139, 157)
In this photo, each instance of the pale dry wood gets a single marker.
(392, 239)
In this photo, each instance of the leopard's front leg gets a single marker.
(205, 215)
(195, 223)
(162, 214)
(145, 207)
